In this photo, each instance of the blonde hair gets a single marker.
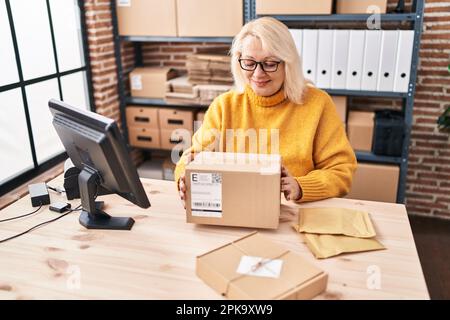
(276, 39)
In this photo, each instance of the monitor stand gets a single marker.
(92, 217)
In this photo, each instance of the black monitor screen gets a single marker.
(95, 144)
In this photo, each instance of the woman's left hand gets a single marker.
(290, 186)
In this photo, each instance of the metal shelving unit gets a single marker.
(343, 17)
(175, 39)
(414, 19)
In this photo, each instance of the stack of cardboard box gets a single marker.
(293, 7)
(180, 18)
(182, 92)
(377, 182)
(209, 68)
(361, 6)
(150, 82)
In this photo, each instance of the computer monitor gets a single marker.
(97, 148)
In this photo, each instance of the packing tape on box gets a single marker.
(254, 268)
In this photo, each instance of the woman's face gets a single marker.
(263, 83)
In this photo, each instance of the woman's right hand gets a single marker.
(182, 181)
(182, 188)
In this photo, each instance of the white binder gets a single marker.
(309, 50)
(371, 62)
(324, 58)
(355, 59)
(388, 57)
(403, 63)
(297, 35)
(340, 58)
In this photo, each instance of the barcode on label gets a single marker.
(207, 204)
(216, 178)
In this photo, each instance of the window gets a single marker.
(41, 57)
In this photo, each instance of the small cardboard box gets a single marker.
(375, 182)
(146, 17)
(360, 129)
(150, 82)
(293, 7)
(341, 106)
(175, 138)
(360, 6)
(209, 18)
(144, 137)
(234, 189)
(138, 116)
(170, 119)
(233, 271)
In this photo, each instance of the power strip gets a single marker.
(39, 194)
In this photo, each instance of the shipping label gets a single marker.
(206, 194)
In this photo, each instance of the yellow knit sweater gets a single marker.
(312, 140)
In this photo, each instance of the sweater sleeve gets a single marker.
(207, 137)
(334, 159)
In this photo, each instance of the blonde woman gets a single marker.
(271, 94)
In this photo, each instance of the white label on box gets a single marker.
(206, 194)
(136, 82)
(124, 3)
(260, 267)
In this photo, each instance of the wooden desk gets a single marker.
(156, 259)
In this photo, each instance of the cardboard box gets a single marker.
(150, 82)
(234, 189)
(233, 271)
(138, 116)
(341, 106)
(144, 137)
(293, 7)
(180, 138)
(375, 182)
(360, 6)
(170, 119)
(146, 17)
(360, 129)
(209, 18)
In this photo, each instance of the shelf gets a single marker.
(343, 17)
(336, 92)
(159, 102)
(362, 93)
(370, 157)
(176, 39)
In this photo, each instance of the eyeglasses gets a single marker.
(266, 66)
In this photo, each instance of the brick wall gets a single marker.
(428, 184)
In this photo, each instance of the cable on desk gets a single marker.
(40, 225)
(56, 189)
(24, 215)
